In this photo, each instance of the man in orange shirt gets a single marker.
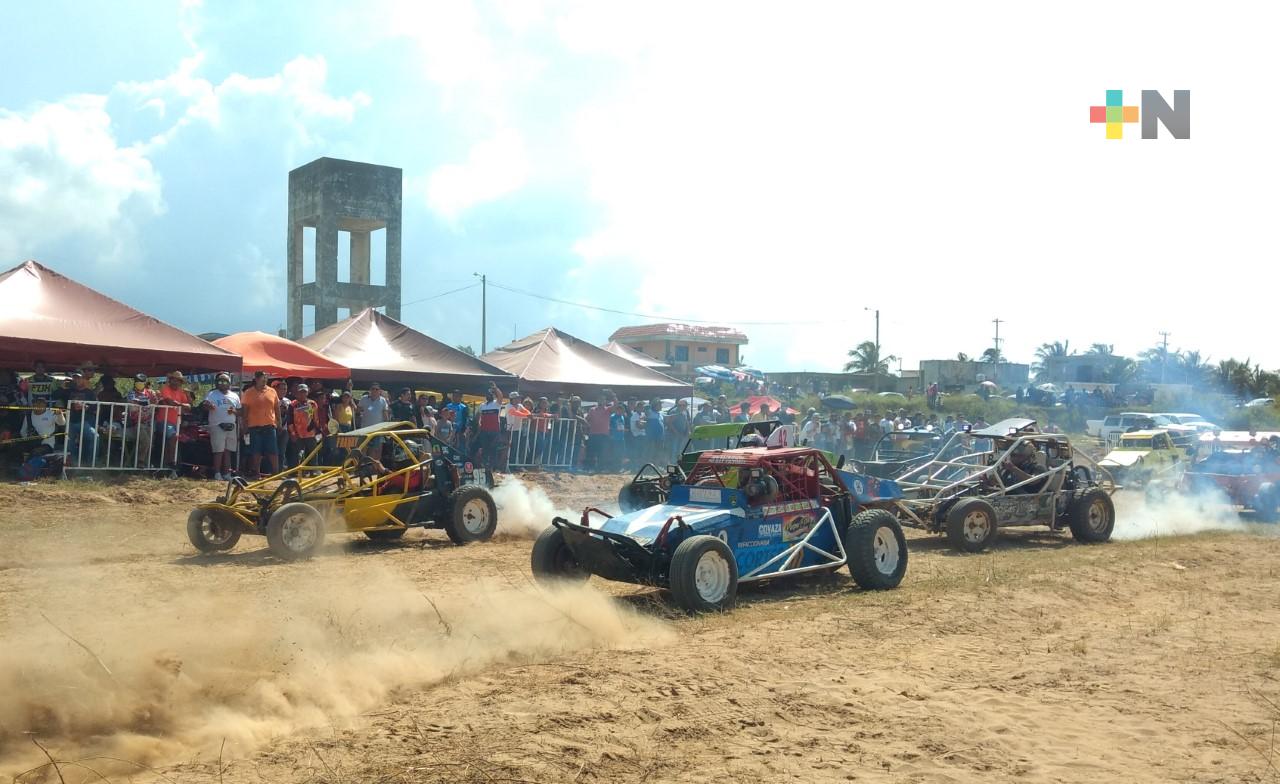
(261, 409)
(177, 401)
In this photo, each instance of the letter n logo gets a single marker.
(1176, 121)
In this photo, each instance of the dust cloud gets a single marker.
(525, 510)
(153, 672)
(1174, 514)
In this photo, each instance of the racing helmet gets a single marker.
(751, 439)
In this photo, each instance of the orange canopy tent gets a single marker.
(280, 357)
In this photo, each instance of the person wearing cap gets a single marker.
(175, 401)
(261, 406)
(304, 431)
(223, 405)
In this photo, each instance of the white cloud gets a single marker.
(297, 95)
(65, 174)
(494, 168)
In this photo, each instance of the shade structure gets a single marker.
(550, 362)
(636, 356)
(48, 317)
(277, 356)
(378, 348)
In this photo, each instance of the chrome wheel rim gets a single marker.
(711, 577)
(977, 527)
(885, 550)
(475, 516)
(213, 533)
(298, 532)
(1098, 516)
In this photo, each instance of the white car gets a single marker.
(1260, 401)
(1201, 424)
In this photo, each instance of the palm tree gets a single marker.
(1121, 371)
(866, 359)
(963, 357)
(990, 355)
(1195, 370)
(1235, 376)
(1048, 351)
(1101, 350)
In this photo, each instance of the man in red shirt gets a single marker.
(176, 402)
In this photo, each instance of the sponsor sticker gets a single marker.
(796, 526)
(753, 543)
(769, 529)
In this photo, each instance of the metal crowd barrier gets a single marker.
(121, 437)
(543, 442)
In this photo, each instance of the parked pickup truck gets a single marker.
(1110, 429)
(1143, 455)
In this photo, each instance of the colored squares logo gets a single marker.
(1114, 114)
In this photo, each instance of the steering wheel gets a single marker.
(360, 464)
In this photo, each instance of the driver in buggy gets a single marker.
(408, 482)
(1021, 465)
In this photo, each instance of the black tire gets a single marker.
(295, 531)
(877, 550)
(1092, 517)
(552, 560)
(627, 500)
(212, 530)
(472, 516)
(704, 575)
(389, 535)
(971, 525)
(1266, 504)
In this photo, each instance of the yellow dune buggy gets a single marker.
(424, 483)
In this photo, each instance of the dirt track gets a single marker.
(1043, 661)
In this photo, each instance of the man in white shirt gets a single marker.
(223, 406)
(43, 421)
(809, 431)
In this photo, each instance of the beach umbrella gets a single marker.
(718, 372)
(841, 402)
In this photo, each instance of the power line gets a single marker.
(615, 311)
(419, 301)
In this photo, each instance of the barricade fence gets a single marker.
(121, 437)
(543, 442)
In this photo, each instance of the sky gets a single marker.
(786, 169)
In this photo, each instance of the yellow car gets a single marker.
(1143, 455)
(424, 483)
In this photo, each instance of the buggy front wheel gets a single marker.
(876, 549)
(472, 515)
(295, 531)
(1092, 517)
(704, 575)
(212, 530)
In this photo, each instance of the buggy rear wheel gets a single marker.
(704, 575)
(876, 549)
(1092, 517)
(212, 530)
(971, 525)
(473, 516)
(295, 531)
(553, 560)
(628, 498)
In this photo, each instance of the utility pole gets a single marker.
(997, 322)
(877, 367)
(484, 315)
(1164, 354)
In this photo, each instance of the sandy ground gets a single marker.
(1042, 661)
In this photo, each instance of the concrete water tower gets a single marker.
(333, 196)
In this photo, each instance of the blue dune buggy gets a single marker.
(741, 515)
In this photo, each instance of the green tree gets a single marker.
(466, 349)
(963, 357)
(1101, 350)
(990, 355)
(866, 359)
(1048, 351)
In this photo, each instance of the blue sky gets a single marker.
(778, 171)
